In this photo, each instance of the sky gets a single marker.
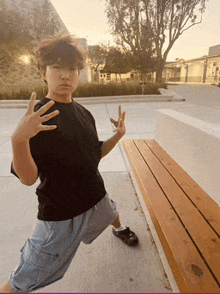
(88, 19)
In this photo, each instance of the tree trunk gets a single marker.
(159, 70)
(143, 82)
(159, 73)
(120, 78)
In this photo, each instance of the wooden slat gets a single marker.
(179, 248)
(201, 200)
(202, 234)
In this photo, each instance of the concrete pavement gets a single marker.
(200, 94)
(107, 265)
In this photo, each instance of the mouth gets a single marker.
(65, 85)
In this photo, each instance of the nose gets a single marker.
(65, 73)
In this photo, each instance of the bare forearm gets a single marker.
(23, 162)
(109, 144)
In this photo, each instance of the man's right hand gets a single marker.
(32, 122)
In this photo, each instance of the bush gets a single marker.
(161, 85)
(22, 93)
(86, 90)
(115, 89)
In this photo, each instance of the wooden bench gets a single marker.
(186, 219)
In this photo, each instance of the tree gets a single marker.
(43, 21)
(109, 59)
(158, 22)
(15, 36)
(143, 56)
(118, 61)
(131, 31)
(97, 56)
(24, 26)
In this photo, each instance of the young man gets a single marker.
(57, 141)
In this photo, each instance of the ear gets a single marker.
(43, 73)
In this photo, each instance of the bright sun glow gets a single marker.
(25, 59)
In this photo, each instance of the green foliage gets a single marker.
(23, 93)
(132, 31)
(97, 55)
(114, 89)
(146, 27)
(161, 84)
(88, 90)
(118, 61)
(44, 21)
(22, 27)
(15, 37)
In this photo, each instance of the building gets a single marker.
(110, 77)
(202, 70)
(42, 21)
(85, 74)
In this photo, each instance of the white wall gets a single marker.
(84, 76)
(194, 145)
(195, 69)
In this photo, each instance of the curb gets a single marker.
(11, 104)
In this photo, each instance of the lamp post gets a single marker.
(204, 71)
(187, 70)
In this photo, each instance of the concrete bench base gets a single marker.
(195, 145)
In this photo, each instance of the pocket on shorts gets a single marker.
(37, 258)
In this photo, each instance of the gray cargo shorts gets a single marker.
(46, 256)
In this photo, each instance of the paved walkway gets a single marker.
(107, 265)
(201, 95)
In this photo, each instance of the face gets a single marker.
(62, 81)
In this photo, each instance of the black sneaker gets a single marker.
(127, 236)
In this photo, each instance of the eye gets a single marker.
(55, 66)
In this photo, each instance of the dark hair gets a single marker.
(61, 49)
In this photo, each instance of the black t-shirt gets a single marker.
(67, 159)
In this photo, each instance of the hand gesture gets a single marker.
(31, 123)
(120, 123)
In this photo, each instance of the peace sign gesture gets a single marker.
(32, 122)
(120, 123)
